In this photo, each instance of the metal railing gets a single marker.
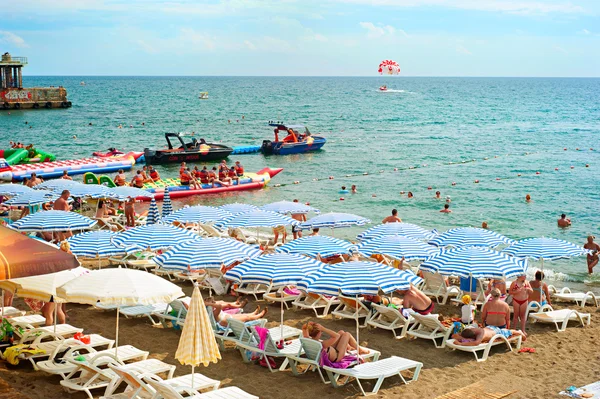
(14, 60)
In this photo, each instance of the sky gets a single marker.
(304, 37)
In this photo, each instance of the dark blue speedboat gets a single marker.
(296, 141)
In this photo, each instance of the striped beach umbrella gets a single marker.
(53, 221)
(398, 247)
(544, 248)
(167, 206)
(56, 184)
(197, 344)
(402, 229)
(288, 207)
(322, 246)
(79, 190)
(475, 262)
(12, 189)
(358, 278)
(236, 208)
(153, 214)
(197, 214)
(32, 197)
(154, 236)
(256, 219)
(276, 269)
(470, 236)
(95, 244)
(204, 253)
(334, 220)
(124, 192)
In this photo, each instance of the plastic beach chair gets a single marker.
(316, 302)
(166, 391)
(561, 318)
(429, 327)
(350, 308)
(391, 319)
(497, 339)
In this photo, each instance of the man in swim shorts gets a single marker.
(563, 221)
(301, 217)
(476, 335)
(592, 257)
(393, 218)
(417, 301)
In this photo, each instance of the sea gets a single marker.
(483, 142)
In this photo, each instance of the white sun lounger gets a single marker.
(253, 289)
(429, 327)
(137, 387)
(34, 320)
(62, 330)
(497, 339)
(310, 354)
(144, 311)
(389, 319)
(89, 375)
(96, 341)
(292, 347)
(166, 391)
(379, 370)
(561, 318)
(315, 303)
(280, 296)
(178, 308)
(147, 265)
(9, 311)
(350, 308)
(435, 286)
(580, 298)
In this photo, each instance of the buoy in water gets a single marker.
(476, 181)
(497, 178)
(429, 188)
(341, 198)
(395, 169)
(277, 185)
(576, 149)
(454, 183)
(572, 167)
(587, 165)
(330, 177)
(365, 173)
(401, 192)
(565, 148)
(556, 169)
(296, 182)
(373, 195)
(518, 174)
(537, 173)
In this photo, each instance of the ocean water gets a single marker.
(434, 131)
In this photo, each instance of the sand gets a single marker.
(561, 359)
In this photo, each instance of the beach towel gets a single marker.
(263, 333)
(11, 354)
(291, 291)
(346, 362)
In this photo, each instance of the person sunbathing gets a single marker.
(388, 301)
(221, 317)
(416, 300)
(476, 335)
(496, 312)
(337, 345)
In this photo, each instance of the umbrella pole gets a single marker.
(192, 377)
(117, 333)
(2, 314)
(281, 327)
(357, 330)
(56, 305)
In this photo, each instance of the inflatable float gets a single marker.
(249, 181)
(16, 156)
(49, 170)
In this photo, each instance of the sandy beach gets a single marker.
(561, 359)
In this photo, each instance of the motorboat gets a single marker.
(383, 88)
(298, 139)
(203, 95)
(194, 151)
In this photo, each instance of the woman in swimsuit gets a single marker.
(520, 291)
(496, 312)
(222, 317)
(500, 284)
(540, 292)
(130, 212)
(337, 345)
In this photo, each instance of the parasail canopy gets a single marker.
(389, 67)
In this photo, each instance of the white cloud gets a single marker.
(462, 50)
(146, 47)
(561, 50)
(12, 40)
(320, 38)
(585, 32)
(374, 31)
(249, 45)
(197, 38)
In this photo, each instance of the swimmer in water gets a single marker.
(563, 221)
(484, 225)
(353, 189)
(393, 218)
(438, 195)
(410, 194)
(343, 190)
(528, 198)
(446, 209)
(592, 257)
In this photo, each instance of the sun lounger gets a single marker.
(144, 311)
(147, 265)
(253, 289)
(175, 312)
(379, 370)
(9, 311)
(168, 392)
(479, 300)
(429, 327)
(210, 231)
(96, 341)
(497, 339)
(350, 308)
(561, 318)
(271, 350)
(580, 298)
(391, 319)
(280, 296)
(310, 355)
(592, 389)
(89, 375)
(34, 320)
(434, 285)
(62, 330)
(138, 387)
(316, 302)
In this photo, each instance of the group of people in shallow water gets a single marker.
(222, 175)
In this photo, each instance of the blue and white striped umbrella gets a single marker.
(288, 207)
(256, 219)
(12, 189)
(398, 247)
(403, 229)
(32, 197)
(236, 208)
(544, 248)
(470, 237)
(124, 192)
(334, 220)
(56, 184)
(322, 246)
(94, 244)
(53, 221)
(276, 269)
(206, 253)
(167, 206)
(197, 214)
(153, 214)
(358, 278)
(476, 262)
(154, 236)
(85, 190)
